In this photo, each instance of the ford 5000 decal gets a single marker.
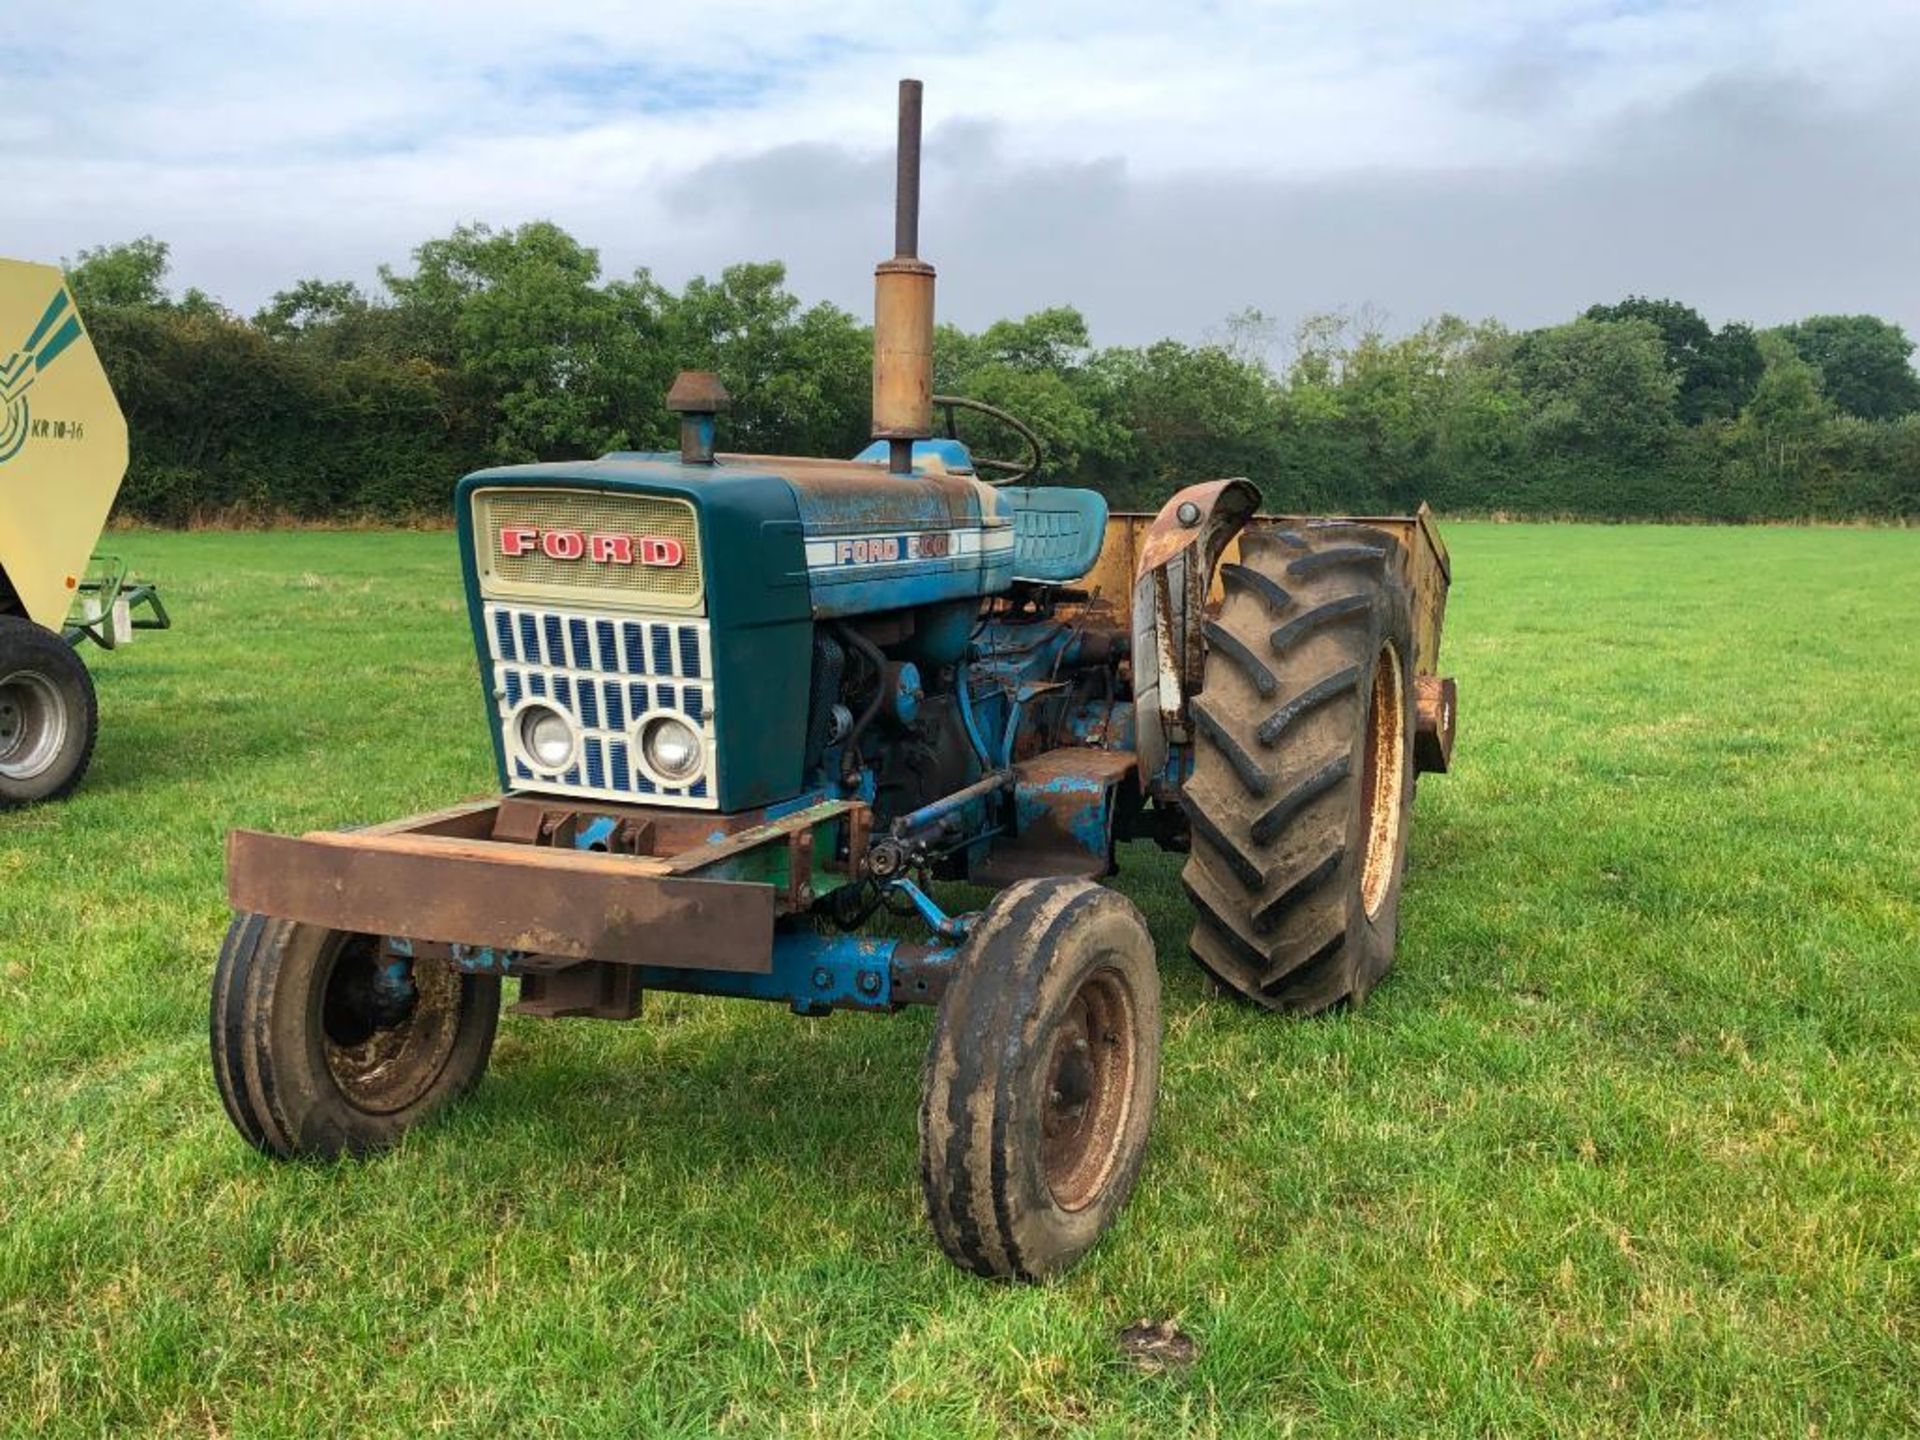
(892, 549)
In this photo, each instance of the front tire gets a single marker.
(325, 1046)
(1040, 1079)
(48, 714)
(1303, 767)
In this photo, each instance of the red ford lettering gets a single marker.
(660, 551)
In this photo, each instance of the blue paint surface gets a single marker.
(955, 456)
(1072, 807)
(811, 973)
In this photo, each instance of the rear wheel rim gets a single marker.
(387, 1026)
(33, 725)
(1383, 780)
(1089, 1097)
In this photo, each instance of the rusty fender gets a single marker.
(1177, 558)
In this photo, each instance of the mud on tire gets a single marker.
(1303, 767)
(319, 1050)
(1040, 1079)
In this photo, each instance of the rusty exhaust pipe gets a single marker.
(906, 174)
(903, 308)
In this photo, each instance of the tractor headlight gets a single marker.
(671, 748)
(546, 737)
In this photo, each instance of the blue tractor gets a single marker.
(743, 705)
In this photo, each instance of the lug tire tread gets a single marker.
(1274, 801)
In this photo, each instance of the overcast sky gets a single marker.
(1160, 167)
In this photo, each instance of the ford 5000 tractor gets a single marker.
(742, 704)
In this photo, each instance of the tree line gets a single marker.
(500, 346)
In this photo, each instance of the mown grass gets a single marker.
(1626, 1145)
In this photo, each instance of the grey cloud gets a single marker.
(1756, 196)
(1752, 198)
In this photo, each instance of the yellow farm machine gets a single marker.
(63, 453)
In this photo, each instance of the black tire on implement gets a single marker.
(315, 1054)
(1040, 1079)
(1303, 767)
(48, 715)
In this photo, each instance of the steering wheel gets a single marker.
(1008, 472)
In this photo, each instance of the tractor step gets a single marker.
(1063, 801)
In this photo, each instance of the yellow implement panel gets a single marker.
(63, 441)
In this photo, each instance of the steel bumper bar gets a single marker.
(530, 900)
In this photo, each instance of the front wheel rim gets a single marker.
(1089, 1095)
(387, 1026)
(33, 725)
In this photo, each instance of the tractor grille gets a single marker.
(536, 575)
(609, 674)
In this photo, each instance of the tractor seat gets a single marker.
(1057, 532)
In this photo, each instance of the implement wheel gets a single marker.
(1303, 767)
(1040, 1079)
(323, 1046)
(48, 716)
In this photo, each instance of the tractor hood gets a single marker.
(869, 540)
(740, 557)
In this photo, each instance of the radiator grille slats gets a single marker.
(608, 674)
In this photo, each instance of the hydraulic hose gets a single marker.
(964, 685)
(879, 662)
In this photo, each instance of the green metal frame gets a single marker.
(104, 586)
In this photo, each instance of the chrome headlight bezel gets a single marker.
(647, 738)
(529, 717)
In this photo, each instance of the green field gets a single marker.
(1628, 1144)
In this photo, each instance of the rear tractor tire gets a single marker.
(1303, 767)
(324, 1046)
(1041, 1079)
(48, 715)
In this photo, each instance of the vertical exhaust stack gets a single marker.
(903, 309)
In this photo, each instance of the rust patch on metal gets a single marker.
(574, 904)
(525, 819)
(800, 869)
(1089, 1089)
(473, 820)
(859, 833)
(589, 991)
(1383, 781)
(1111, 584)
(1200, 515)
(384, 1064)
(1064, 800)
(800, 823)
(1178, 555)
(1435, 701)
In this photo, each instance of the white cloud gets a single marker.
(1158, 167)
